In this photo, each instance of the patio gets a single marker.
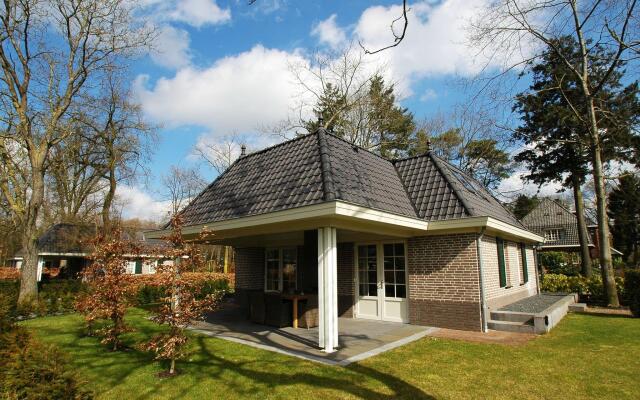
(358, 338)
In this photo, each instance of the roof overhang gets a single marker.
(349, 216)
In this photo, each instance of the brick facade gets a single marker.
(444, 288)
(346, 279)
(495, 295)
(249, 272)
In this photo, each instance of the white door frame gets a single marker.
(380, 298)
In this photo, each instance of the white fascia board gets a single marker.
(551, 246)
(353, 211)
(63, 254)
(480, 222)
(324, 210)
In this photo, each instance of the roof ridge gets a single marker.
(355, 145)
(436, 161)
(325, 165)
(273, 146)
(483, 187)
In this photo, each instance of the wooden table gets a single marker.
(294, 299)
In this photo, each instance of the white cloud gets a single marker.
(235, 94)
(515, 184)
(172, 48)
(329, 33)
(435, 43)
(428, 95)
(200, 12)
(137, 203)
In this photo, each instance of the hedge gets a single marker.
(58, 296)
(590, 290)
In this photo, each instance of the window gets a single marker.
(394, 271)
(502, 265)
(554, 234)
(367, 270)
(281, 270)
(523, 263)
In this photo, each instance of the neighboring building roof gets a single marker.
(321, 167)
(66, 238)
(549, 214)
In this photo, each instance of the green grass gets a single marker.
(586, 356)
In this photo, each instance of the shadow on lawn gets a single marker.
(261, 373)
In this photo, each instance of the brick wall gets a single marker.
(444, 289)
(249, 272)
(346, 270)
(495, 295)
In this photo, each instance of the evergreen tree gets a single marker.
(523, 205)
(556, 134)
(624, 209)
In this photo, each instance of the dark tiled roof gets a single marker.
(320, 167)
(441, 191)
(550, 214)
(76, 238)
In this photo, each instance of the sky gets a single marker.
(222, 66)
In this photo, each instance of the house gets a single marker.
(64, 250)
(414, 240)
(559, 227)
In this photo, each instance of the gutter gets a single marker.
(483, 301)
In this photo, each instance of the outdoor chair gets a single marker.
(308, 317)
(257, 306)
(278, 311)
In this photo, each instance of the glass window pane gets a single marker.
(362, 264)
(373, 290)
(371, 263)
(400, 277)
(371, 251)
(401, 291)
(388, 291)
(388, 250)
(399, 263)
(272, 254)
(373, 277)
(362, 251)
(388, 263)
(364, 290)
(399, 249)
(389, 277)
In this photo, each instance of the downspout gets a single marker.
(483, 301)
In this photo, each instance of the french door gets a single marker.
(381, 281)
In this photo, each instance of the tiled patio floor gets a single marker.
(358, 338)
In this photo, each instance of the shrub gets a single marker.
(150, 290)
(30, 369)
(555, 262)
(10, 274)
(590, 290)
(632, 290)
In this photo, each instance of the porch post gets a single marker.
(40, 267)
(327, 289)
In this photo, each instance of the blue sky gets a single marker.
(220, 66)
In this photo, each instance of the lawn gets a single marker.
(586, 356)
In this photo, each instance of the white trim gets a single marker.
(339, 210)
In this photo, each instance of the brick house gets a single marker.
(414, 240)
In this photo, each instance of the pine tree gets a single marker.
(624, 209)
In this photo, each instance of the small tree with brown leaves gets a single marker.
(110, 287)
(181, 303)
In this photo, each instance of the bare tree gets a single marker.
(50, 53)
(220, 153)
(526, 29)
(180, 186)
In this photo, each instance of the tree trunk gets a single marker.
(29, 272)
(172, 368)
(606, 264)
(583, 234)
(108, 201)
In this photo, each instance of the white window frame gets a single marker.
(280, 268)
(554, 234)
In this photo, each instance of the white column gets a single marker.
(40, 267)
(327, 289)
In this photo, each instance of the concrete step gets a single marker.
(578, 307)
(510, 326)
(511, 316)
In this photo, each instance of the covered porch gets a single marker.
(320, 274)
(357, 338)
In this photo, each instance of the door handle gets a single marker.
(380, 284)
